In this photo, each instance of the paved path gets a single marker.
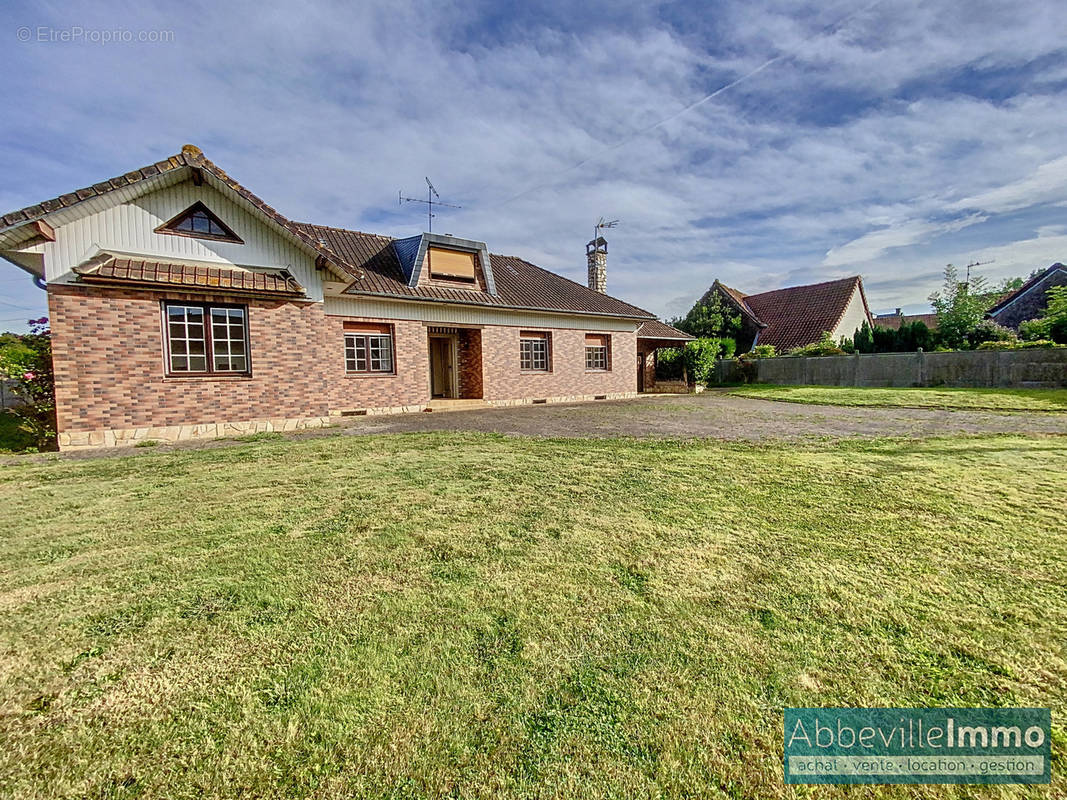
(712, 414)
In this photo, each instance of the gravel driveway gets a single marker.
(712, 414)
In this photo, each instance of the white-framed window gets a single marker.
(205, 339)
(598, 352)
(535, 351)
(369, 350)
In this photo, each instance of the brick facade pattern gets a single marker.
(109, 364)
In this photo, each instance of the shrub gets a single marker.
(763, 351)
(669, 364)
(26, 360)
(994, 344)
(700, 357)
(1034, 329)
(826, 346)
(989, 331)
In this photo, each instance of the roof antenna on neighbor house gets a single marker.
(430, 202)
(976, 264)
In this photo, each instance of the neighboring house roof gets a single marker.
(121, 270)
(738, 300)
(895, 321)
(654, 329)
(1029, 301)
(197, 163)
(799, 315)
(519, 284)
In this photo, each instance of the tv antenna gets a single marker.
(602, 224)
(432, 199)
(977, 264)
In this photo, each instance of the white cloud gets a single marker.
(846, 154)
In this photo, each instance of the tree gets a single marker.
(960, 306)
(710, 318)
(863, 339)
(26, 360)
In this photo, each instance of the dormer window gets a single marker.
(199, 222)
(451, 265)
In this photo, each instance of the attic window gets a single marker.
(450, 265)
(199, 222)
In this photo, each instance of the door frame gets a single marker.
(453, 357)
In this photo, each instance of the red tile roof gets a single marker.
(519, 284)
(799, 315)
(654, 329)
(108, 268)
(894, 321)
(369, 260)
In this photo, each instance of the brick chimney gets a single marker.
(596, 254)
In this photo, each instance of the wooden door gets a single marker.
(441, 367)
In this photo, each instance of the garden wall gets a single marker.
(1034, 368)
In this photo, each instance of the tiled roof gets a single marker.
(108, 268)
(519, 284)
(369, 260)
(894, 321)
(191, 157)
(654, 329)
(1024, 289)
(739, 300)
(798, 315)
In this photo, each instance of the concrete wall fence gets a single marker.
(1025, 369)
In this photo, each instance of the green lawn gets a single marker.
(471, 615)
(973, 399)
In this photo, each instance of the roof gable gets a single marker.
(799, 315)
(1026, 288)
(189, 163)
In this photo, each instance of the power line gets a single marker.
(831, 28)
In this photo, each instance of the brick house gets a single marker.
(797, 315)
(184, 306)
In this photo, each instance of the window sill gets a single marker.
(363, 375)
(201, 378)
(535, 372)
(598, 371)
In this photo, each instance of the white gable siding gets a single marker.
(129, 228)
(854, 317)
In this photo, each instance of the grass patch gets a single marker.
(471, 615)
(1054, 400)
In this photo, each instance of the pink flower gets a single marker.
(28, 376)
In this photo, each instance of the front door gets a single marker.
(640, 372)
(441, 367)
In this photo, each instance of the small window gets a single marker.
(368, 348)
(199, 222)
(451, 265)
(597, 352)
(206, 339)
(535, 351)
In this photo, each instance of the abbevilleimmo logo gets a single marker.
(917, 745)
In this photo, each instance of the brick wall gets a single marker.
(108, 354)
(568, 377)
(409, 386)
(469, 349)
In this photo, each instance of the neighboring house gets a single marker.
(897, 319)
(798, 315)
(182, 306)
(1030, 300)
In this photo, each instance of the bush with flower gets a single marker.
(26, 361)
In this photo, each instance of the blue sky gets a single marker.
(885, 139)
